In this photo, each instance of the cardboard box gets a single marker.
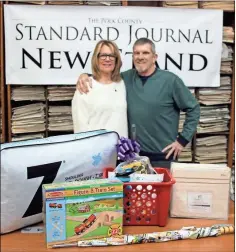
(82, 210)
(200, 191)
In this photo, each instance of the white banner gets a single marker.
(54, 44)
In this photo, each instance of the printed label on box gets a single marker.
(55, 220)
(199, 202)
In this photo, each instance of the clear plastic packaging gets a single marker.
(139, 164)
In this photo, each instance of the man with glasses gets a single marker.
(154, 100)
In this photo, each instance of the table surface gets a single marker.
(18, 242)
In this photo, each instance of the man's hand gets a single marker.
(175, 148)
(83, 84)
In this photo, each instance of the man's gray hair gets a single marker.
(143, 41)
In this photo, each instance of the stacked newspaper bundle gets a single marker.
(228, 34)
(181, 4)
(186, 154)
(60, 93)
(28, 118)
(214, 96)
(226, 53)
(182, 114)
(225, 82)
(211, 150)
(181, 120)
(226, 59)
(222, 5)
(107, 3)
(22, 137)
(27, 2)
(60, 118)
(25, 93)
(213, 119)
(66, 2)
(226, 67)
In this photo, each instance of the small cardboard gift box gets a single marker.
(201, 191)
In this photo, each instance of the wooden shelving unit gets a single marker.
(231, 139)
(2, 81)
(6, 102)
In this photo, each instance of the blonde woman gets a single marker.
(105, 106)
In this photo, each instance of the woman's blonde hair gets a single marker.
(95, 69)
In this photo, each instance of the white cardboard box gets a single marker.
(200, 191)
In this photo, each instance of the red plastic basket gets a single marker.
(146, 203)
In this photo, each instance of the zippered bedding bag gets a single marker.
(26, 165)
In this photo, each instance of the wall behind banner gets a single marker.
(52, 103)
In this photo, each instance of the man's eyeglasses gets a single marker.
(104, 56)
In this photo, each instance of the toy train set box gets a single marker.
(81, 210)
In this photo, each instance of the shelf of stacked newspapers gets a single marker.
(226, 59)
(60, 118)
(2, 84)
(60, 93)
(27, 2)
(215, 111)
(180, 4)
(213, 130)
(220, 5)
(59, 109)
(28, 121)
(67, 2)
(38, 110)
(28, 117)
(214, 118)
(186, 155)
(211, 149)
(107, 3)
(220, 95)
(27, 93)
(228, 34)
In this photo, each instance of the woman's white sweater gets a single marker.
(103, 107)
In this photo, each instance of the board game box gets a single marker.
(82, 210)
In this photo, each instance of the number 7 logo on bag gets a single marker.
(48, 172)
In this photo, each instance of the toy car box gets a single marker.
(82, 210)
